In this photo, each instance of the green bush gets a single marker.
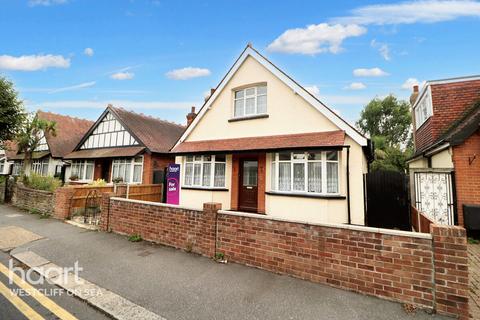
(38, 182)
(135, 238)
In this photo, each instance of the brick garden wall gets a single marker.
(2, 192)
(428, 270)
(28, 199)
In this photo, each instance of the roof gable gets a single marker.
(289, 82)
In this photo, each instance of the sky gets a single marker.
(161, 57)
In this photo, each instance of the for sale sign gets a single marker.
(173, 184)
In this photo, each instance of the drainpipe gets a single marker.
(348, 185)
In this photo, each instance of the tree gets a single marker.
(389, 118)
(12, 113)
(388, 122)
(32, 132)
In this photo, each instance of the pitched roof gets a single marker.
(105, 153)
(69, 131)
(249, 51)
(276, 142)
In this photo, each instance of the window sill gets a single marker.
(205, 189)
(252, 117)
(306, 195)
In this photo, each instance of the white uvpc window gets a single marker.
(109, 133)
(129, 170)
(83, 170)
(306, 172)
(423, 110)
(250, 101)
(206, 171)
(17, 168)
(40, 167)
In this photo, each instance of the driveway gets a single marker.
(179, 285)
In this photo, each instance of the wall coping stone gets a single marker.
(332, 225)
(158, 204)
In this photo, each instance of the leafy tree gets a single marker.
(31, 134)
(389, 118)
(12, 113)
(388, 122)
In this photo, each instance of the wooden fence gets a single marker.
(420, 222)
(145, 192)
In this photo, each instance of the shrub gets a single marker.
(98, 183)
(73, 177)
(38, 182)
(135, 238)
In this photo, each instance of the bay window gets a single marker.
(311, 172)
(205, 171)
(250, 101)
(40, 167)
(83, 170)
(127, 170)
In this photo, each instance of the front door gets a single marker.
(248, 189)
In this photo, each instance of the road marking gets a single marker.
(37, 295)
(19, 304)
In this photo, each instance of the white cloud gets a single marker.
(424, 11)
(128, 104)
(122, 76)
(313, 90)
(45, 3)
(88, 52)
(33, 62)
(356, 86)
(383, 49)
(315, 39)
(410, 82)
(75, 87)
(373, 72)
(187, 73)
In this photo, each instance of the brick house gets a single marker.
(445, 169)
(262, 143)
(124, 145)
(47, 159)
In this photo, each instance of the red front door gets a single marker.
(248, 188)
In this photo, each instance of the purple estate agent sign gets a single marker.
(173, 184)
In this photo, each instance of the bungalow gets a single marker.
(47, 159)
(445, 169)
(262, 143)
(124, 146)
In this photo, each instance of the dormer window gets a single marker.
(423, 110)
(250, 101)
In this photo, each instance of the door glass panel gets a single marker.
(250, 173)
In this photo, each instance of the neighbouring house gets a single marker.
(262, 143)
(445, 169)
(124, 146)
(47, 159)
(4, 163)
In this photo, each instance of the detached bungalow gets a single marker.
(445, 169)
(124, 146)
(47, 159)
(262, 143)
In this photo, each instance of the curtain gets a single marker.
(315, 177)
(219, 175)
(332, 177)
(299, 176)
(188, 174)
(206, 174)
(284, 176)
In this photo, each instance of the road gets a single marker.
(49, 303)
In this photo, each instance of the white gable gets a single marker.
(316, 105)
(109, 133)
(42, 144)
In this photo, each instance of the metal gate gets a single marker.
(387, 202)
(92, 208)
(434, 196)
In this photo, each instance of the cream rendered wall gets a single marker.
(418, 163)
(288, 112)
(196, 198)
(443, 159)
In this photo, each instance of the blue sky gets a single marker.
(160, 57)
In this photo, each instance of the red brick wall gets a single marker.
(467, 175)
(450, 100)
(63, 199)
(152, 162)
(428, 270)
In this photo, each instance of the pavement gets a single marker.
(179, 285)
(474, 279)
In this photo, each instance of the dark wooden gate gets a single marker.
(387, 200)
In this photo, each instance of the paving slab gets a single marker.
(31, 259)
(13, 236)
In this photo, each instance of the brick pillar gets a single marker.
(235, 181)
(261, 183)
(105, 211)
(451, 270)
(63, 200)
(210, 210)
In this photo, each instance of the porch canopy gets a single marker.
(326, 139)
(105, 153)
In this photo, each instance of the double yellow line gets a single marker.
(34, 293)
